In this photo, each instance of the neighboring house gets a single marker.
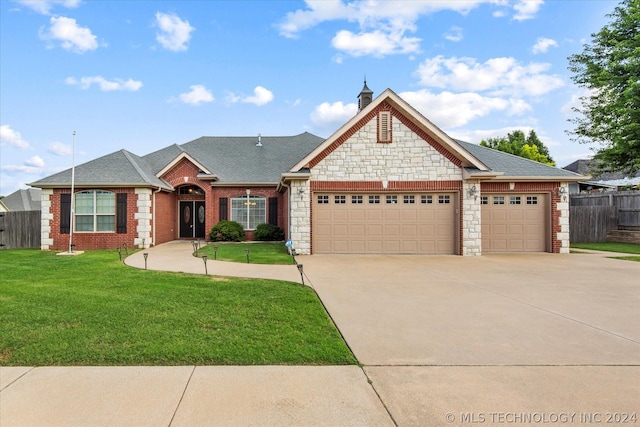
(22, 200)
(388, 181)
(608, 181)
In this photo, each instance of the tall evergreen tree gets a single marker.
(609, 68)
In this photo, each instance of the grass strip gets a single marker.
(625, 248)
(259, 253)
(91, 309)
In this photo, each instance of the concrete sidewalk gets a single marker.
(189, 396)
(178, 256)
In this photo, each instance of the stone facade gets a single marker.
(45, 222)
(300, 216)
(144, 217)
(471, 219)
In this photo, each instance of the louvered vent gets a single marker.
(384, 126)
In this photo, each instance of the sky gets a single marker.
(143, 75)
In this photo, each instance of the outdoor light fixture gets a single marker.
(146, 255)
(195, 247)
(120, 253)
(562, 191)
(301, 272)
(215, 252)
(204, 258)
(247, 252)
(126, 251)
(473, 192)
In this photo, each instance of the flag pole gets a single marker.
(73, 179)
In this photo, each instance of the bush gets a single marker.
(227, 231)
(269, 232)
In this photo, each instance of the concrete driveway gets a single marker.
(497, 339)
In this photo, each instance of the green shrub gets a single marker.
(227, 231)
(269, 232)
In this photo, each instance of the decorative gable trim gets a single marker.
(400, 109)
(177, 160)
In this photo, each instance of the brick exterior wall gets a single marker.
(91, 241)
(165, 222)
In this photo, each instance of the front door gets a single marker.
(192, 219)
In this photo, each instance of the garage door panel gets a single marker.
(514, 228)
(400, 227)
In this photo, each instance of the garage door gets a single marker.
(384, 223)
(514, 223)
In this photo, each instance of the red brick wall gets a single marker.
(550, 188)
(90, 241)
(165, 219)
(234, 192)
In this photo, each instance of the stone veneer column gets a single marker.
(471, 220)
(563, 208)
(143, 215)
(301, 216)
(45, 222)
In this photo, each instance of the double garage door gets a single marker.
(402, 223)
(514, 222)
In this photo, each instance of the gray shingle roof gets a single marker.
(239, 159)
(121, 168)
(23, 200)
(512, 165)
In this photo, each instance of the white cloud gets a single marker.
(104, 84)
(60, 149)
(71, 36)
(498, 76)
(12, 137)
(197, 95)
(44, 6)
(328, 116)
(376, 43)
(382, 25)
(261, 96)
(451, 110)
(543, 44)
(454, 34)
(174, 32)
(526, 9)
(34, 165)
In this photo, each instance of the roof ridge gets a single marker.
(135, 165)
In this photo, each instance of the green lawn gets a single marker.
(91, 309)
(625, 248)
(259, 253)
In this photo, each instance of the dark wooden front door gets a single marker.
(192, 219)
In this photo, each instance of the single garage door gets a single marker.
(399, 223)
(514, 223)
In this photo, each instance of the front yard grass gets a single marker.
(259, 253)
(91, 309)
(625, 248)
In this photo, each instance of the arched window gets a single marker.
(95, 211)
(249, 211)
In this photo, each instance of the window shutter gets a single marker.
(273, 210)
(384, 126)
(223, 208)
(121, 213)
(65, 213)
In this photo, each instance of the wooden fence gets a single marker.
(592, 215)
(19, 230)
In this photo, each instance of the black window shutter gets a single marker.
(223, 208)
(65, 213)
(273, 210)
(121, 213)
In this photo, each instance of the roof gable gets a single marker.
(410, 117)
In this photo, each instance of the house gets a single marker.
(607, 181)
(21, 200)
(388, 181)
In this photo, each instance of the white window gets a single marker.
(340, 200)
(444, 199)
(374, 200)
(392, 199)
(356, 200)
(409, 199)
(484, 200)
(532, 200)
(95, 211)
(498, 200)
(249, 211)
(323, 200)
(426, 199)
(515, 200)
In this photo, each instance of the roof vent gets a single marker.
(259, 143)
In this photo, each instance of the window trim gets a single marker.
(246, 201)
(94, 215)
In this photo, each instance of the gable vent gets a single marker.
(384, 126)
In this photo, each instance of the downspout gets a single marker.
(153, 217)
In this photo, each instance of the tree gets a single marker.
(529, 147)
(609, 68)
